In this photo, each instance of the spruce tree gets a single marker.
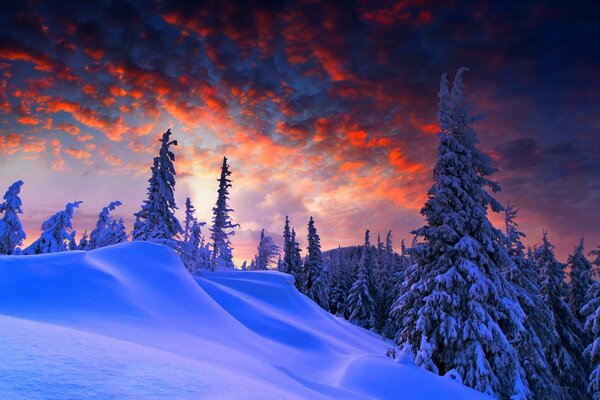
(315, 280)
(190, 220)
(84, 242)
(340, 284)
(591, 311)
(292, 261)
(286, 265)
(457, 311)
(57, 232)
(361, 300)
(223, 227)
(534, 344)
(580, 270)
(11, 231)
(382, 285)
(568, 366)
(296, 262)
(108, 230)
(192, 251)
(156, 220)
(267, 252)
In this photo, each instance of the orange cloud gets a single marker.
(10, 143)
(113, 129)
(59, 162)
(35, 145)
(28, 120)
(398, 160)
(78, 154)
(68, 127)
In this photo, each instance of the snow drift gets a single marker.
(129, 322)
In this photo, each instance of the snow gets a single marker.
(129, 322)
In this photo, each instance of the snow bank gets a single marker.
(129, 322)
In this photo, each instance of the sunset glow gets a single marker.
(323, 109)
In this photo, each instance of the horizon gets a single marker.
(329, 111)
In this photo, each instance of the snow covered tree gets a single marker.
(11, 231)
(292, 262)
(389, 247)
(287, 248)
(72, 243)
(341, 281)
(596, 253)
(315, 279)
(361, 300)
(267, 252)
(156, 220)
(108, 230)
(190, 221)
(457, 310)
(568, 365)
(56, 232)
(296, 262)
(223, 227)
(83, 242)
(534, 344)
(193, 252)
(580, 270)
(591, 311)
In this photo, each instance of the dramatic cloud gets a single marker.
(324, 108)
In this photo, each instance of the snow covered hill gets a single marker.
(129, 322)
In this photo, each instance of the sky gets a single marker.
(323, 108)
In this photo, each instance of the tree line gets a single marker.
(466, 299)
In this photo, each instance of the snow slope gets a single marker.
(129, 322)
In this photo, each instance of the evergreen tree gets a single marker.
(108, 230)
(84, 242)
(384, 283)
(340, 284)
(361, 297)
(296, 262)
(568, 365)
(11, 231)
(596, 262)
(190, 221)
(538, 333)
(193, 252)
(156, 221)
(457, 310)
(292, 261)
(267, 252)
(591, 311)
(286, 265)
(580, 270)
(222, 229)
(315, 280)
(56, 232)
(389, 248)
(72, 243)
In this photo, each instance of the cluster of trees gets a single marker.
(155, 222)
(466, 299)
